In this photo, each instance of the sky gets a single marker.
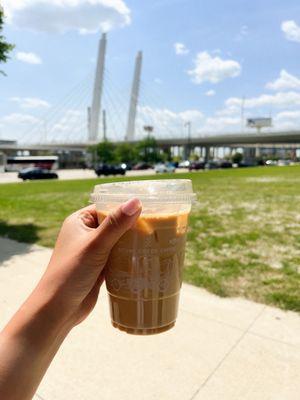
(213, 64)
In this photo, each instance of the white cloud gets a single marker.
(15, 125)
(213, 69)
(287, 120)
(229, 111)
(181, 49)
(244, 31)
(218, 124)
(30, 58)
(158, 81)
(210, 92)
(71, 120)
(191, 115)
(69, 125)
(285, 81)
(167, 123)
(280, 99)
(288, 114)
(291, 30)
(59, 16)
(30, 102)
(19, 119)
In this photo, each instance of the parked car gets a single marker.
(184, 164)
(162, 168)
(283, 163)
(141, 166)
(127, 166)
(244, 164)
(271, 162)
(225, 164)
(36, 173)
(105, 169)
(211, 165)
(196, 165)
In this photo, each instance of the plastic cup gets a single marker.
(144, 270)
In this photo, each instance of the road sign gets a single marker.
(259, 122)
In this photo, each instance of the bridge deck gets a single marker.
(234, 140)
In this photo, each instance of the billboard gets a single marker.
(259, 122)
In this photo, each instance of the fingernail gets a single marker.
(131, 207)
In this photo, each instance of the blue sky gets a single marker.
(200, 59)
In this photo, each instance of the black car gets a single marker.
(244, 164)
(225, 164)
(196, 165)
(105, 169)
(36, 173)
(211, 165)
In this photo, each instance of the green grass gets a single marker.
(244, 236)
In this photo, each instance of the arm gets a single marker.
(65, 295)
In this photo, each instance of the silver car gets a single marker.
(164, 168)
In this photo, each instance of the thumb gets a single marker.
(117, 223)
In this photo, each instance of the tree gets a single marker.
(237, 157)
(148, 150)
(126, 153)
(5, 47)
(105, 152)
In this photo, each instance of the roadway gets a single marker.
(69, 174)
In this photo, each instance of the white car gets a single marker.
(283, 163)
(164, 168)
(184, 164)
(271, 162)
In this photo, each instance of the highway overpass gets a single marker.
(219, 140)
(72, 153)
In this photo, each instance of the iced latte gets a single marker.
(144, 270)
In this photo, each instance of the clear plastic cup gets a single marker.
(144, 270)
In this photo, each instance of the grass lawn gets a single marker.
(244, 237)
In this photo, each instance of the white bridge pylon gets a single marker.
(130, 132)
(94, 112)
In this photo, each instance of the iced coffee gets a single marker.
(144, 270)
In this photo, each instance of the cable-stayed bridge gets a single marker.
(98, 108)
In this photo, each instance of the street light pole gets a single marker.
(149, 129)
(188, 124)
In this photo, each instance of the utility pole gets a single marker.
(134, 97)
(97, 94)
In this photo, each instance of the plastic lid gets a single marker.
(154, 191)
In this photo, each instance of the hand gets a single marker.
(75, 272)
(65, 295)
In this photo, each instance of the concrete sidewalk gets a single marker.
(220, 349)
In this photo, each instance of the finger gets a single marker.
(118, 222)
(88, 216)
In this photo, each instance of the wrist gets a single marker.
(39, 319)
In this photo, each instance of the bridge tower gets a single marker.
(94, 111)
(134, 97)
